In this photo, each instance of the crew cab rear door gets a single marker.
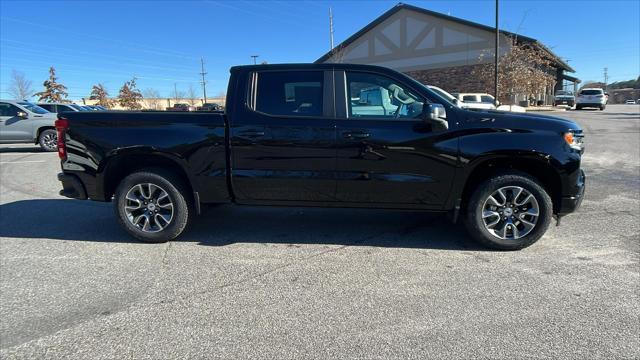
(390, 158)
(283, 138)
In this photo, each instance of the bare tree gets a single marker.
(129, 96)
(525, 70)
(53, 91)
(152, 98)
(177, 95)
(20, 87)
(192, 96)
(99, 92)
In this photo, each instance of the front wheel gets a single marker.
(153, 205)
(508, 212)
(602, 107)
(48, 140)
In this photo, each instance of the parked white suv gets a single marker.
(24, 122)
(591, 97)
(476, 101)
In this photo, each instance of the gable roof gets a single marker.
(558, 62)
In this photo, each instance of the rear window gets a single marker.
(291, 93)
(591, 92)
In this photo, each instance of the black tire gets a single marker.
(48, 140)
(475, 207)
(578, 107)
(178, 194)
(602, 107)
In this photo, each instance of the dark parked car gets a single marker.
(292, 136)
(181, 107)
(209, 107)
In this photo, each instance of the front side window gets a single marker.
(291, 93)
(487, 99)
(377, 96)
(469, 98)
(8, 110)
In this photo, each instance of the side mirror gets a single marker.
(437, 116)
(22, 115)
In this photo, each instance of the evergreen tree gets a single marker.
(53, 91)
(99, 92)
(129, 96)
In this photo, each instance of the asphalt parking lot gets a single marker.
(315, 283)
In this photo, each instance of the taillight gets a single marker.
(62, 125)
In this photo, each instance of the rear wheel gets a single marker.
(153, 205)
(602, 107)
(508, 212)
(578, 107)
(48, 140)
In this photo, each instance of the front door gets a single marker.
(386, 154)
(12, 126)
(283, 141)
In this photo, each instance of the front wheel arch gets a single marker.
(540, 171)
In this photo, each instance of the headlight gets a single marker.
(574, 140)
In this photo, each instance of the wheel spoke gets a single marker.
(493, 201)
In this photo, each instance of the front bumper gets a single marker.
(569, 204)
(72, 187)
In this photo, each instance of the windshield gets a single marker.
(33, 108)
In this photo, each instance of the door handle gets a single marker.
(357, 135)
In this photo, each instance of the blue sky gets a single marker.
(161, 42)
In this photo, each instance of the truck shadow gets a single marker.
(73, 220)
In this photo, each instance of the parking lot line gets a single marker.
(22, 162)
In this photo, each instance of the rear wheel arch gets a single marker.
(121, 166)
(40, 130)
(539, 170)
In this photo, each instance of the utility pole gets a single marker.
(606, 78)
(495, 89)
(330, 28)
(204, 83)
(175, 91)
(254, 58)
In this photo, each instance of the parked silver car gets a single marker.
(24, 122)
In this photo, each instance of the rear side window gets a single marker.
(469, 98)
(47, 107)
(62, 108)
(291, 93)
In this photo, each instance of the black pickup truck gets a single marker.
(331, 135)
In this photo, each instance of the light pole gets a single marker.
(254, 58)
(495, 89)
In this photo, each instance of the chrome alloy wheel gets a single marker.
(50, 140)
(148, 207)
(510, 213)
